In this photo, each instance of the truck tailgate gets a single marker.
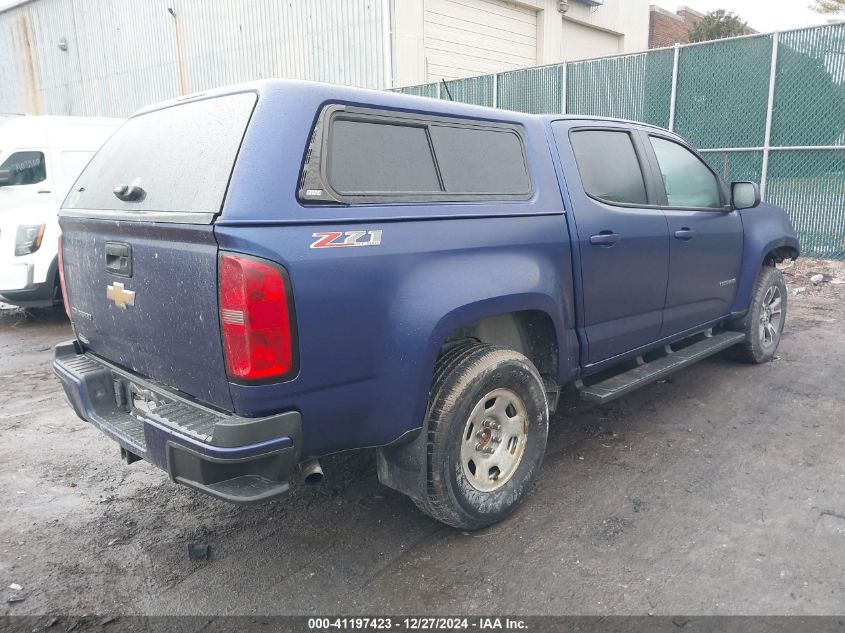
(162, 321)
(140, 257)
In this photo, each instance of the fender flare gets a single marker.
(751, 265)
(402, 464)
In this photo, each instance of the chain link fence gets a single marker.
(768, 108)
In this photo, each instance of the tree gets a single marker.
(828, 6)
(720, 24)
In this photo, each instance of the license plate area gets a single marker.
(141, 401)
(133, 398)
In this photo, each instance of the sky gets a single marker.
(762, 15)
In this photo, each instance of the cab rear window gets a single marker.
(180, 159)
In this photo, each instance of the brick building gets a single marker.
(666, 28)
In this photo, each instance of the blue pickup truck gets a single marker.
(267, 274)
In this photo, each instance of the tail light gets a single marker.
(257, 319)
(62, 284)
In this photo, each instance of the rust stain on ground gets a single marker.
(29, 66)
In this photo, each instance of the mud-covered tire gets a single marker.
(458, 412)
(763, 325)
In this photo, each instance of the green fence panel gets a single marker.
(636, 87)
(424, 90)
(810, 185)
(736, 165)
(722, 102)
(723, 92)
(475, 90)
(534, 90)
(809, 104)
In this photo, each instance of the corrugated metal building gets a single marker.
(110, 57)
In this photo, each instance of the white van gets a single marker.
(40, 159)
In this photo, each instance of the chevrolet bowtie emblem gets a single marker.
(121, 297)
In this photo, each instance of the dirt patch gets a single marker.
(822, 278)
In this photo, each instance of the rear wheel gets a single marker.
(488, 422)
(766, 317)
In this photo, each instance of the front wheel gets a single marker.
(488, 423)
(766, 317)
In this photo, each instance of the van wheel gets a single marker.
(488, 421)
(766, 317)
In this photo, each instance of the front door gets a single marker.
(623, 243)
(706, 237)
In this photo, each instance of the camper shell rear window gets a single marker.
(181, 157)
(367, 155)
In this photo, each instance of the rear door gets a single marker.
(140, 255)
(705, 246)
(622, 236)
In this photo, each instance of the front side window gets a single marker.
(688, 182)
(26, 168)
(609, 167)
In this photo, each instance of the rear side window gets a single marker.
(609, 167)
(375, 156)
(688, 181)
(73, 162)
(181, 156)
(26, 168)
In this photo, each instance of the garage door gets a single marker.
(581, 41)
(477, 37)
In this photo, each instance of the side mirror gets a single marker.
(6, 178)
(745, 194)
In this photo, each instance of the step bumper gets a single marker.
(239, 460)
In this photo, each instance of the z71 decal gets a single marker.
(339, 239)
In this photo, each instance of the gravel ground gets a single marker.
(718, 491)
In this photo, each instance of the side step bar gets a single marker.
(616, 386)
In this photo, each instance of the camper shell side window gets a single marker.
(366, 155)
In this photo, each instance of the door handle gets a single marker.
(44, 191)
(605, 238)
(685, 234)
(119, 259)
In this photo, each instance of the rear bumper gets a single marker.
(239, 460)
